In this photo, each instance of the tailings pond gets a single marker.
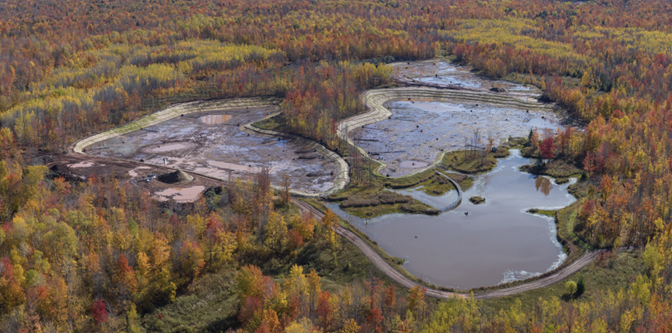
(497, 242)
(419, 131)
(213, 144)
(446, 74)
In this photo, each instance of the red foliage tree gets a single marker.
(547, 148)
(99, 312)
(324, 310)
(375, 319)
(295, 240)
(248, 309)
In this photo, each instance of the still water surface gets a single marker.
(496, 242)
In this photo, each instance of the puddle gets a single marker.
(169, 147)
(83, 164)
(412, 164)
(419, 131)
(215, 119)
(189, 194)
(236, 167)
(496, 242)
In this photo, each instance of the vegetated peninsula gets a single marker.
(330, 166)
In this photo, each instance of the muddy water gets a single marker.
(169, 147)
(419, 131)
(213, 144)
(215, 119)
(496, 242)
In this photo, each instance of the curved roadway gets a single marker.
(374, 99)
(383, 266)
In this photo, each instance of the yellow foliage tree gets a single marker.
(275, 232)
(329, 223)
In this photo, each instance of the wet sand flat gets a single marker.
(213, 144)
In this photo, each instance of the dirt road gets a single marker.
(121, 167)
(399, 278)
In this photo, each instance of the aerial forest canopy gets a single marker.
(98, 255)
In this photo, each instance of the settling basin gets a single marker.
(212, 143)
(447, 74)
(419, 131)
(497, 241)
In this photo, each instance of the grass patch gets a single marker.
(276, 123)
(210, 305)
(477, 200)
(549, 213)
(472, 162)
(553, 168)
(566, 220)
(464, 181)
(580, 188)
(561, 181)
(371, 199)
(437, 186)
(414, 207)
(609, 272)
(518, 142)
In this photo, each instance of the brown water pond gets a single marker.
(496, 242)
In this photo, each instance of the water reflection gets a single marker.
(543, 184)
(496, 242)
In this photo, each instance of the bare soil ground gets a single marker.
(213, 143)
(81, 167)
(441, 73)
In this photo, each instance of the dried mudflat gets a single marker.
(213, 143)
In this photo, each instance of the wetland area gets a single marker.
(495, 242)
(467, 245)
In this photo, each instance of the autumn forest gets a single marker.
(102, 255)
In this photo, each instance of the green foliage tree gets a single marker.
(570, 288)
